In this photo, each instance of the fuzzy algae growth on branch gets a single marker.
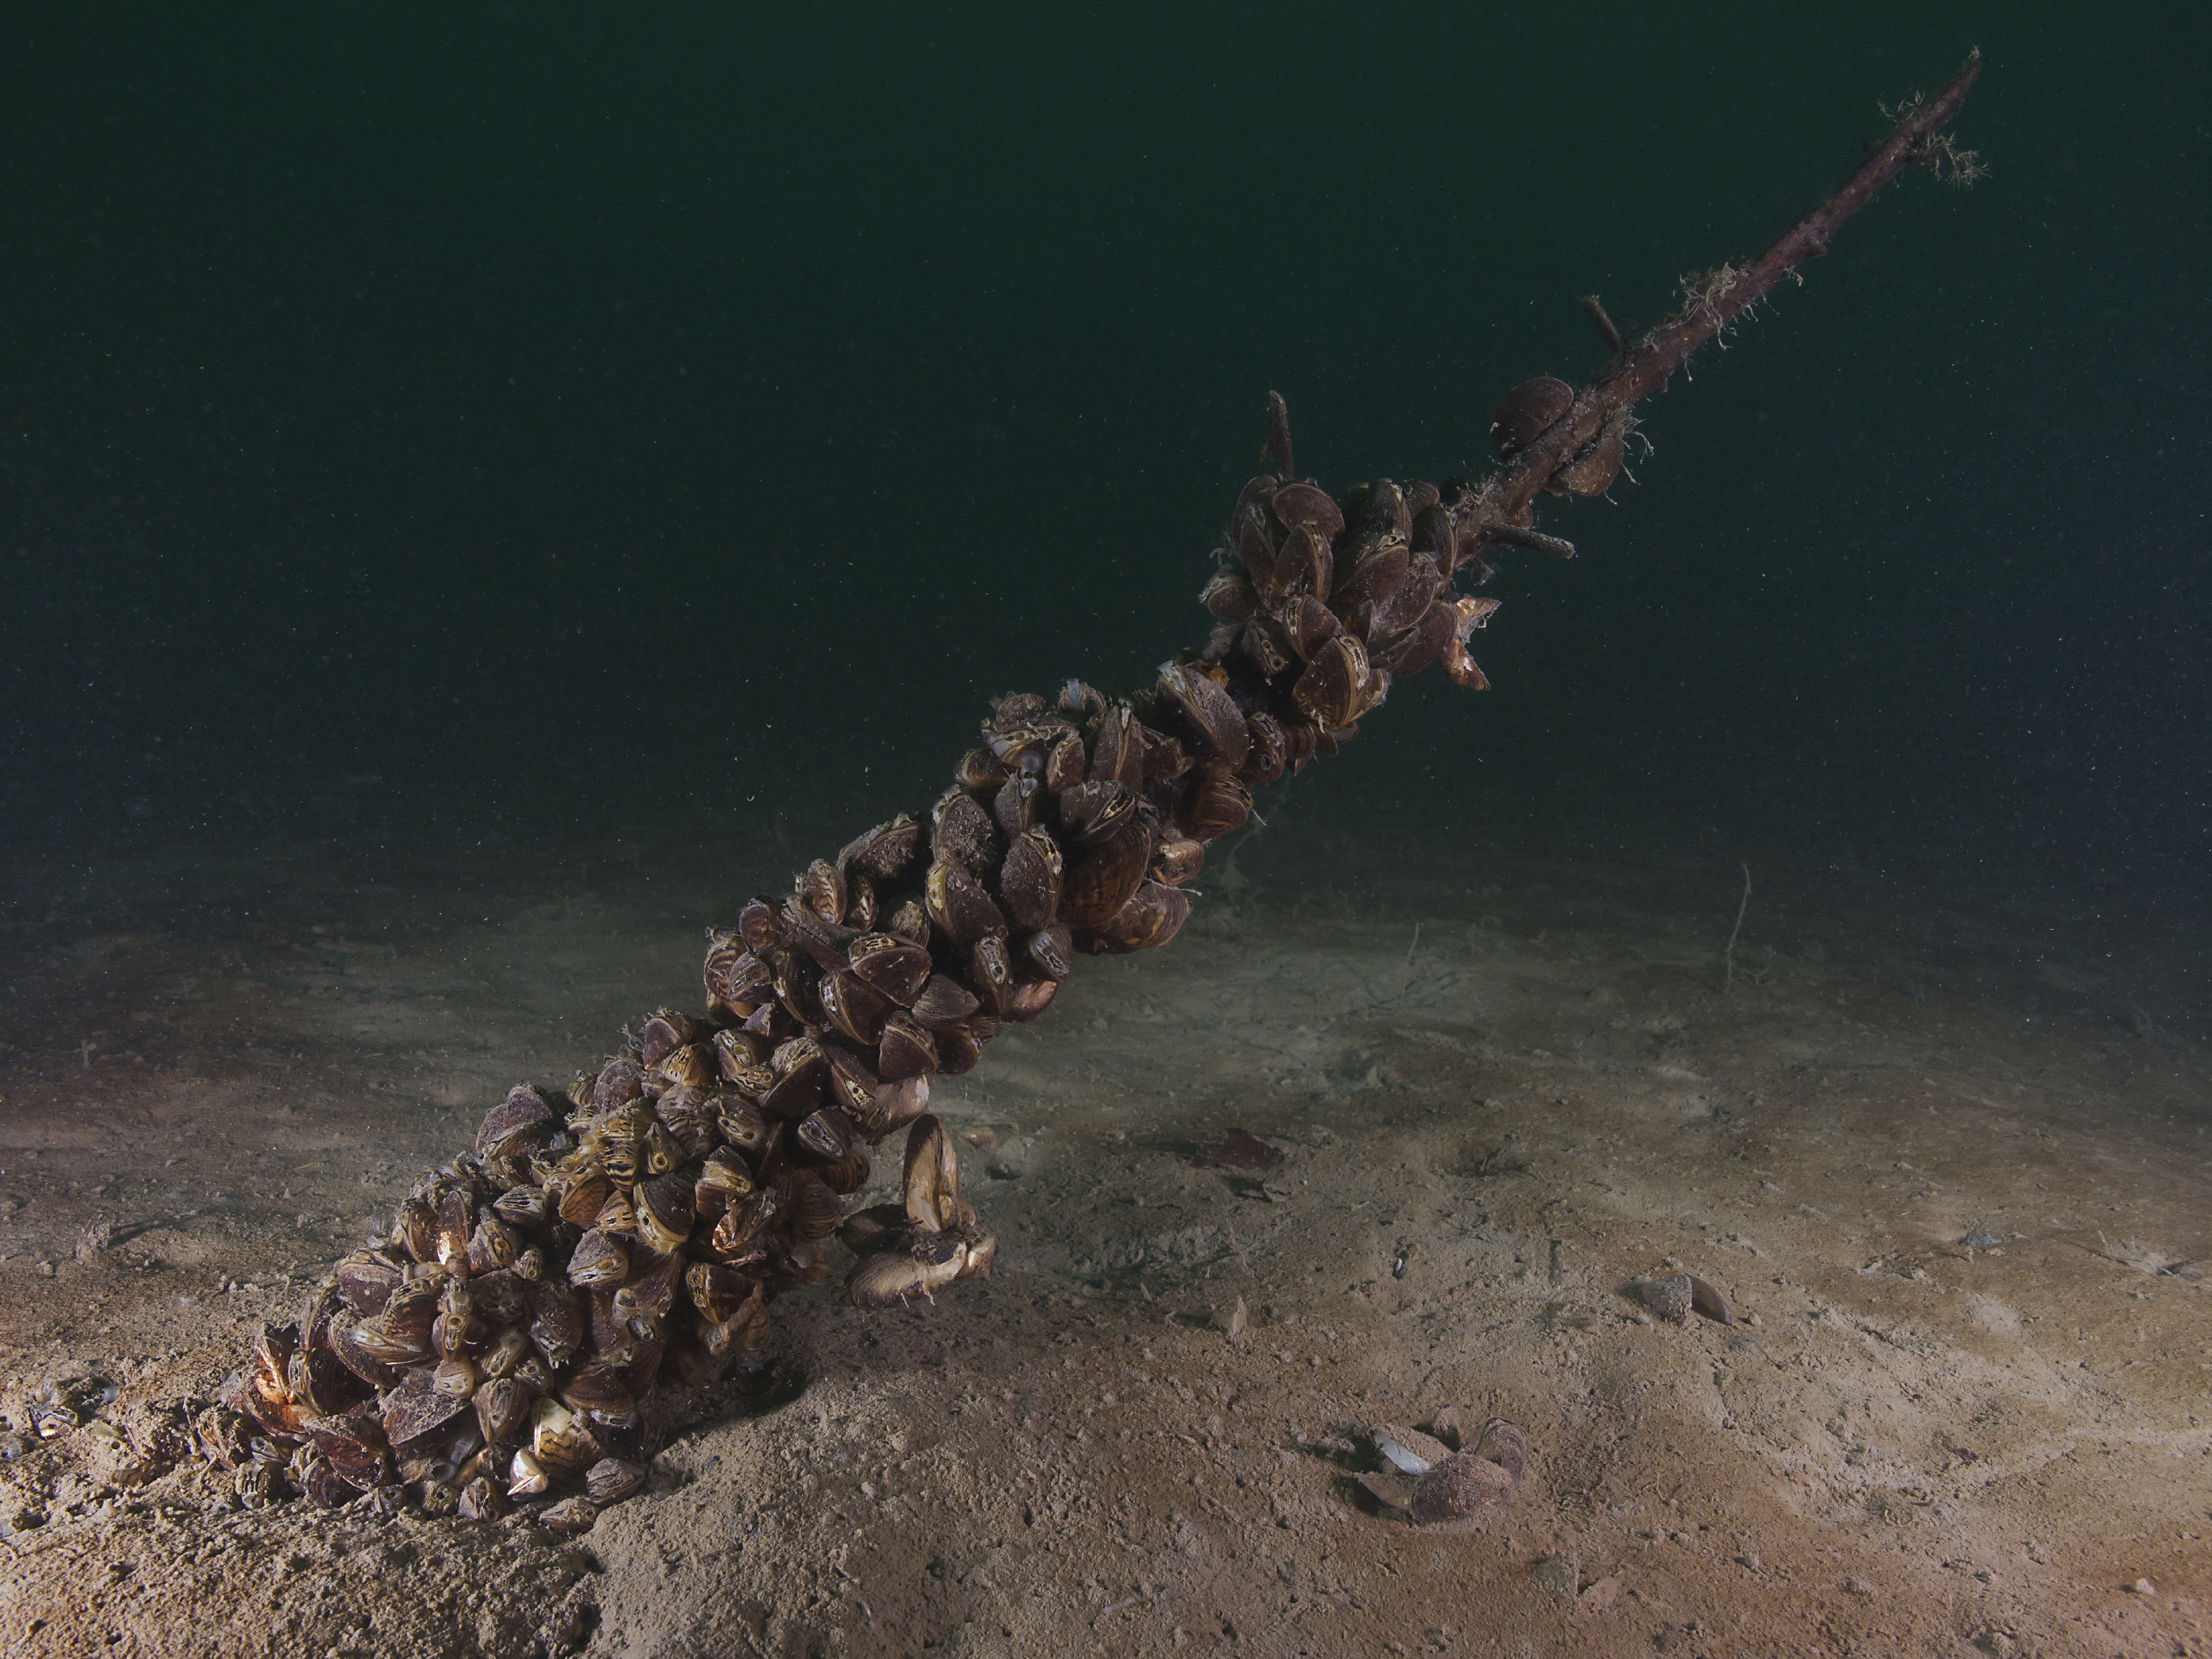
(549, 1304)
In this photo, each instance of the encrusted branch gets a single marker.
(548, 1303)
(1599, 416)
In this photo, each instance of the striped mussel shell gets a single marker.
(1030, 879)
(891, 967)
(664, 1033)
(517, 1125)
(665, 1213)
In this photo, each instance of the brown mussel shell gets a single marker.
(1330, 690)
(959, 906)
(1031, 997)
(990, 972)
(907, 1051)
(1098, 811)
(1219, 805)
(517, 1125)
(885, 853)
(1592, 472)
(667, 1031)
(1308, 504)
(1526, 412)
(1106, 875)
(945, 1002)
(1230, 596)
(855, 1007)
(1029, 879)
(891, 966)
(1117, 755)
(1212, 713)
(1154, 915)
(961, 834)
(1050, 951)
(366, 1279)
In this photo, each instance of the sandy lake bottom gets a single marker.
(1942, 1150)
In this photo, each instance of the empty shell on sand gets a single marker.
(1440, 1489)
(1675, 1297)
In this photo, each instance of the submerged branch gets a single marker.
(1601, 409)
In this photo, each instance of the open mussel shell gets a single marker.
(895, 1278)
(930, 1176)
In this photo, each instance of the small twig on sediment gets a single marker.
(1744, 903)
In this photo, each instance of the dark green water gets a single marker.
(540, 420)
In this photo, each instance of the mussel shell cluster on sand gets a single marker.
(544, 1303)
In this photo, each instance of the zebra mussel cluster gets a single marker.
(542, 1300)
(532, 1320)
